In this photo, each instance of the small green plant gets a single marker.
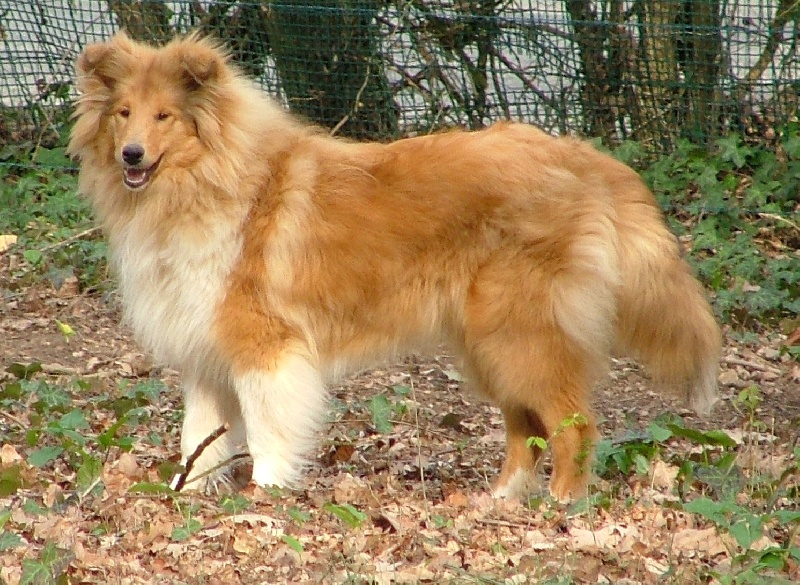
(293, 543)
(57, 238)
(234, 504)
(60, 429)
(299, 516)
(66, 330)
(747, 526)
(385, 409)
(49, 567)
(8, 540)
(190, 526)
(576, 419)
(439, 522)
(347, 513)
(740, 502)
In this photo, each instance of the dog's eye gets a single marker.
(162, 116)
(124, 112)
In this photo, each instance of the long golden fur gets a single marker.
(262, 257)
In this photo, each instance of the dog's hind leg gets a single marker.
(540, 387)
(519, 474)
(535, 339)
(282, 408)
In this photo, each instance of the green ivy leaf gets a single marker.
(89, 470)
(45, 455)
(24, 371)
(714, 438)
(746, 531)
(32, 256)
(184, 533)
(347, 513)
(10, 482)
(234, 504)
(293, 543)
(659, 433)
(73, 420)
(9, 540)
(298, 515)
(381, 412)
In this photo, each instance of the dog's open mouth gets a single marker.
(135, 178)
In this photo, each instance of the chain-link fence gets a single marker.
(649, 70)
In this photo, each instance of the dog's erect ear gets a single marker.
(104, 62)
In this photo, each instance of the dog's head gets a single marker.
(148, 107)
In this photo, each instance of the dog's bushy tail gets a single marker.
(664, 319)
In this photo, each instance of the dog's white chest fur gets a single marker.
(171, 286)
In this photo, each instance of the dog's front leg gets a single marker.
(282, 409)
(208, 407)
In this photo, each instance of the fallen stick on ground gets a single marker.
(190, 461)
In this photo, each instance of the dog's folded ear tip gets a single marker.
(201, 61)
(200, 70)
(92, 55)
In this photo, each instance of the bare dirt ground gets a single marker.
(422, 485)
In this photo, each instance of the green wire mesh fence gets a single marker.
(654, 71)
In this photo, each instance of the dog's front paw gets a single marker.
(273, 471)
(225, 480)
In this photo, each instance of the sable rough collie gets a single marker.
(262, 258)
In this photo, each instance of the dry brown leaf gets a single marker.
(707, 541)
(128, 466)
(6, 241)
(9, 455)
(664, 475)
(349, 489)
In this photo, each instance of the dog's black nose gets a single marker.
(132, 154)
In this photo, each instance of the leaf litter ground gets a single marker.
(399, 491)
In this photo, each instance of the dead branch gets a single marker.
(751, 365)
(778, 218)
(72, 238)
(221, 465)
(190, 461)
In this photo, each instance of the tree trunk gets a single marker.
(659, 78)
(591, 38)
(143, 20)
(329, 63)
(702, 51)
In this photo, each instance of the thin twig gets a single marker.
(355, 109)
(59, 370)
(419, 453)
(72, 238)
(220, 465)
(190, 461)
(414, 425)
(13, 418)
(748, 364)
(523, 78)
(775, 217)
(504, 523)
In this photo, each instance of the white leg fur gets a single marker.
(205, 412)
(704, 394)
(522, 484)
(282, 411)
